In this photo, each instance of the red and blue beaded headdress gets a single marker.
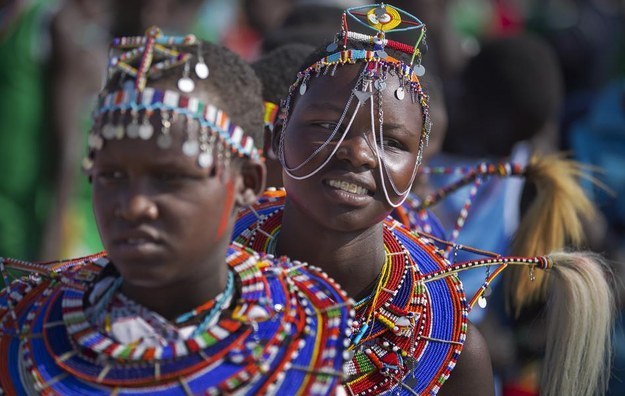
(208, 128)
(380, 67)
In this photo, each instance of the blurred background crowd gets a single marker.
(507, 78)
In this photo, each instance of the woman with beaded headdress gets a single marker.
(172, 307)
(352, 133)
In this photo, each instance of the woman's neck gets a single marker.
(353, 259)
(185, 294)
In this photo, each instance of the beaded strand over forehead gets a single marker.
(378, 68)
(209, 131)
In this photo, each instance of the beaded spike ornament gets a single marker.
(209, 130)
(378, 67)
(285, 333)
(414, 212)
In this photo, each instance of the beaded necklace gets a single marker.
(285, 335)
(407, 334)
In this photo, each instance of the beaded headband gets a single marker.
(208, 128)
(372, 81)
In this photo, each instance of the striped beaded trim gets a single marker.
(352, 56)
(150, 99)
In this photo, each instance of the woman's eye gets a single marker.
(393, 143)
(326, 125)
(110, 176)
(176, 176)
(171, 176)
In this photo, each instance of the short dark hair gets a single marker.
(306, 24)
(236, 89)
(508, 92)
(520, 73)
(277, 70)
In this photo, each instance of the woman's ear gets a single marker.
(275, 138)
(268, 149)
(250, 181)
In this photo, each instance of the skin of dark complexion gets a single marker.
(342, 229)
(166, 222)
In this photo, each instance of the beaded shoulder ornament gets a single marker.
(414, 212)
(285, 334)
(378, 68)
(409, 332)
(210, 132)
(412, 215)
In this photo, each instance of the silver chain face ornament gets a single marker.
(368, 83)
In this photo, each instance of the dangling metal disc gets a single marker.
(419, 70)
(119, 132)
(205, 160)
(132, 130)
(190, 148)
(201, 70)
(164, 141)
(185, 84)
(146, 131)
(108, 131)
(482, 302)
(400, 93)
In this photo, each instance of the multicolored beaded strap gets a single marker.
(208, 128)
(372, 81)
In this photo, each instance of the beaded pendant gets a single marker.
(285, 335)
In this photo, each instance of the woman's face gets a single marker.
(161, 217)
(347, 193)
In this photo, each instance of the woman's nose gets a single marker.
(137, 205)
(357, 150)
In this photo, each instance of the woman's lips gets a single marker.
(346, 186)
(346, 193)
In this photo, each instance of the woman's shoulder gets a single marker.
(473, 374)
(28, 284)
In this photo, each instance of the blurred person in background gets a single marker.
(50, 72)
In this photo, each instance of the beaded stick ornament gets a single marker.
(377, 69)
(209, 130)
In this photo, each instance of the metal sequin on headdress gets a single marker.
(379, 67)
(209, 130)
